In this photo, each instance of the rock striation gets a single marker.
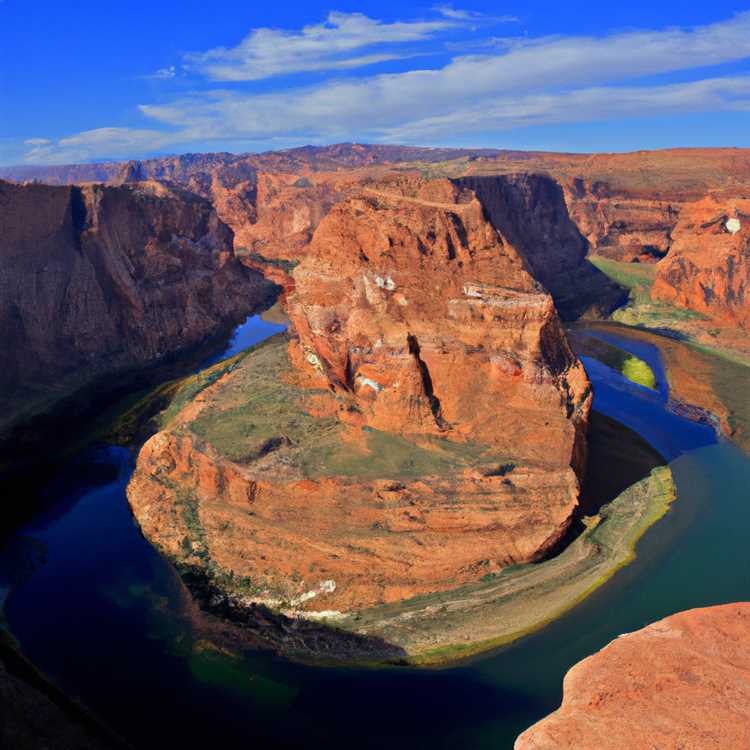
(620, 226)
(424, 426)
(98, 280)
(682, 682)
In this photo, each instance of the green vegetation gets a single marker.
(639, 372)
(282, 263)
(631, 367)
(641, 310)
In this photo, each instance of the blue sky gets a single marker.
(84, 80)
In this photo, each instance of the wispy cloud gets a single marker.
(521, 83)
(164, 74)
(98, 143)
(333, 45)
(449, 11)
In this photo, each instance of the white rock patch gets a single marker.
(385, 283)
(314, 360)
(369, 382)
(733, 225)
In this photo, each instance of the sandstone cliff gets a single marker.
(98, 280)
(683, 682)
(425, 429)
(708, 267)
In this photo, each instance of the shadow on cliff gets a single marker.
(34, 453)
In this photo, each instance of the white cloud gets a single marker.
(164, 74)
(97, 144)
(523, 83)
(37, 141)
(331, 45)
(449, 11)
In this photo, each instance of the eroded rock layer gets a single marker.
(424, 426)
(682, 682)
(98, 279)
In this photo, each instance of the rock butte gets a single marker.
(682, 682)
(419, 336)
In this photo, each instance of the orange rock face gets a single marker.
(100, 279)
(683, 682)
(530, 211)
(428, 420)
(412, 302)
(708, 267)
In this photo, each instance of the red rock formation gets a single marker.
(625, 205)
(418, 307)
(620, 226)
(98, 279)
(683, 682)
(419, 337)
(708, 267)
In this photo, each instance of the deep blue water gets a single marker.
(101, 613)
(254, 330)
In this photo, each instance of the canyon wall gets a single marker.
(530, 211)
(620, 226)
(97, 280)
(626, 206)
(682, 682)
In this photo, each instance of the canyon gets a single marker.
(681, 682)
(373, 484)
(627, 209)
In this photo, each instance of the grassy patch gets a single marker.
(282, 263)
(639, 372)
(641, 310)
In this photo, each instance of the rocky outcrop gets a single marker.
(708, 267)
(426, 427)
(683, 682)
(98, 280)
(413, 303)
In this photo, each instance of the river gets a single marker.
(103, 615)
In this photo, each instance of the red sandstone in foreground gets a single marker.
(682, 682)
